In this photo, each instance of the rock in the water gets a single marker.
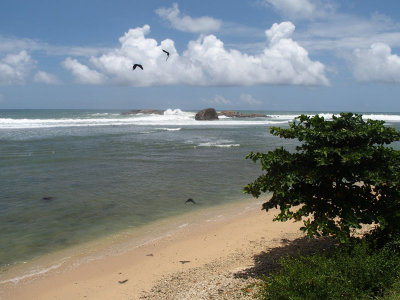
(144, 111)
(234, 114)
(207, 114)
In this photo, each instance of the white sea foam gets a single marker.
(171, 117)
(176, 112)
(291, 117)
(282, 117)
(7, 123)
(328, 116)
(32, 273)
(148, 132)
(169, 129)
(145, 120)
(209, 144)
(101, 114)
(383, 117)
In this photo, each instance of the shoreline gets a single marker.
(129, 264)
(123, 241)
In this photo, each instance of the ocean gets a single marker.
(71, 176)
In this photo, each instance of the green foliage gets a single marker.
(341, 176)
(358, 273)
(393, 293)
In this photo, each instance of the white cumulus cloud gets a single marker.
(187, 23)
(205, 62)
(376, 64)
(82, 72)
(301, 9)
(47, 78)
(15, 68)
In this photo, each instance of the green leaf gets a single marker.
(343, 174)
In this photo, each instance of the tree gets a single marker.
(340, 176)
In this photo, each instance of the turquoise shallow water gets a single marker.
(69, 176)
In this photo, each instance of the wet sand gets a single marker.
(167, 262)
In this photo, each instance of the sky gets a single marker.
(292, 55)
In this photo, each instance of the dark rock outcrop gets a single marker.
(234, 114)
(207, 114)
(144, 111)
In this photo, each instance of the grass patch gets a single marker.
(357, 272)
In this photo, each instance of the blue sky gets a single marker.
(252, 54)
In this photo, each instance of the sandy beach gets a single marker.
(211, 254)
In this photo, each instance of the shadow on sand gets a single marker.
(267, 262)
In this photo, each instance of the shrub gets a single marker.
(341, 176)
(347, 273)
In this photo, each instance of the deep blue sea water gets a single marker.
(70, 176)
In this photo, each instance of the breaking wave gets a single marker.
(217, 145)
(171, 117)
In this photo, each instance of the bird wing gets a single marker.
(166, 53)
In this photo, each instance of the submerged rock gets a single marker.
(47, 198)
(190, 200)
(207, 114)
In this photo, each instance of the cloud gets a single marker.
(13, 45)
(249, 99)
(187, 23)
(376, 64)
(333, 34)
(47, 78)
(301, 9)
(280, 31)
(205, 62)
(219, 99)
(82, 72)
(328, 29)
(15, 68)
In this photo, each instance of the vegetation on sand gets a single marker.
(342, 175)
(357, 272)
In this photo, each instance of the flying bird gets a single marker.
(166, 53)
(137, 65)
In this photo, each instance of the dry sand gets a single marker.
(210, 254)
